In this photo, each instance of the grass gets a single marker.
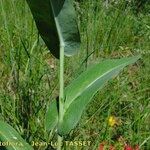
(29, 74)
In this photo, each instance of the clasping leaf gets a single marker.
(81, 91)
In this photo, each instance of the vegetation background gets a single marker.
(29, 73)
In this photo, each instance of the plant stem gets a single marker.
(61, 93)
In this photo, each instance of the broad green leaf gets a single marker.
(80, 92)
(56, 23)
(51, 116)
(12, 139)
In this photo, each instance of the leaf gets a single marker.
(10, 136)
(56, 23)
(51, 116)
(80, 92)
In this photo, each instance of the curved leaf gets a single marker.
(56, 23)
(79, 93)
(10, 136)
(51, 118)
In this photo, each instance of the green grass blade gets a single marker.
(56, 23)
(10, 136)
(80, 92)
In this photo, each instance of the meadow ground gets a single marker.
(29, 74)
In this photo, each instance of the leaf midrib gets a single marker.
(61, 40)
(67, 105)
